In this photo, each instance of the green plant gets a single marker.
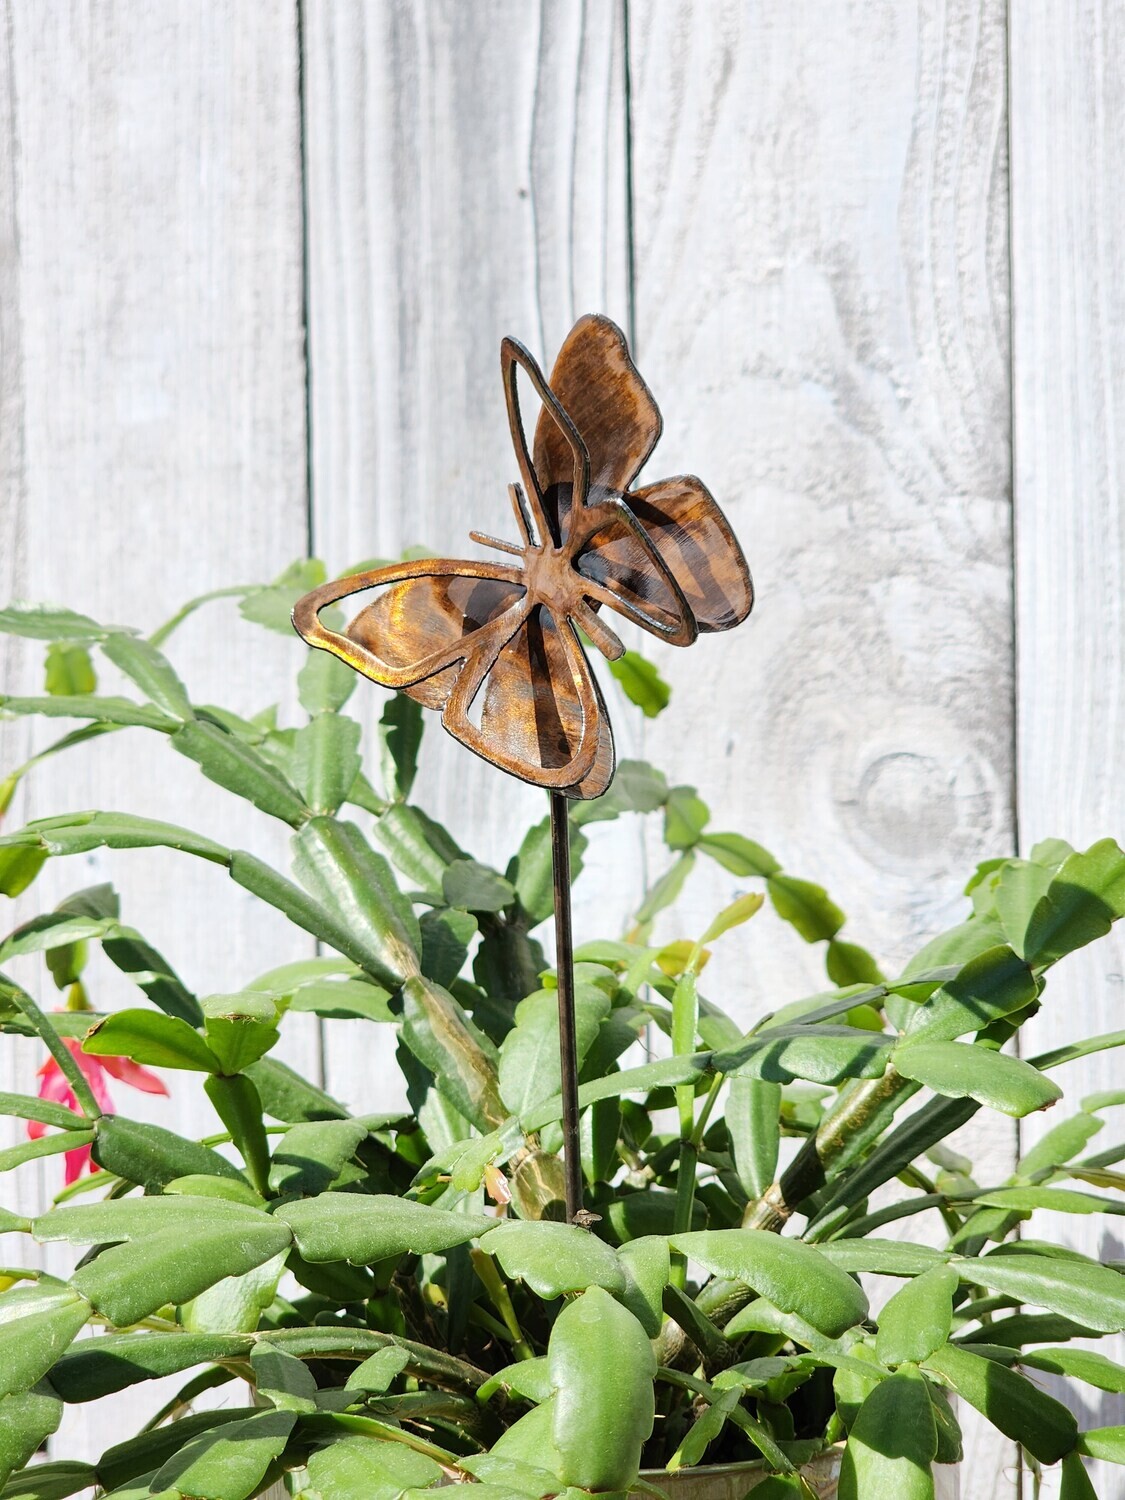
(394, 1322)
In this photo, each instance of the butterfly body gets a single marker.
(496, 647)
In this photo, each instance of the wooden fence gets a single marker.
(256, 257)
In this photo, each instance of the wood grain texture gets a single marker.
(1068, 310)
(153, 448)
(821, 311)
(465, 180)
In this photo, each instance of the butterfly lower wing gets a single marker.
(532, 708)
(695, 540)
(428, 619)
(623, 570)
(603, 394)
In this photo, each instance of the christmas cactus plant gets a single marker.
(363, 1301)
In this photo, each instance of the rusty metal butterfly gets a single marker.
(496, 647)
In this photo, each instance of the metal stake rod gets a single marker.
(568, 1046)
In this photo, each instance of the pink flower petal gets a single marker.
(94, 1074)
(76, 1163)
(125, 1069)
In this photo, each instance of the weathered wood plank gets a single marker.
(152, 382)
(465, 179)
(1068, 226)
(821, 294)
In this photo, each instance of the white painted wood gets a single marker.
(1068, 228)
(152, 390)
(465, 180)
(821, 294)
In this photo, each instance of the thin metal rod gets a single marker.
(568, 1045)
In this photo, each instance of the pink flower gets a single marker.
(55, 1086)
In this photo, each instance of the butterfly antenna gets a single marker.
(494, 541)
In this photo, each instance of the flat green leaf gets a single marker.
(324, 683)
(474, 887)
(68, 670)
(1061, 1144)
(641, 683)
(892, 1444)
(151, 972)
(78, 833)
(753, 1117)
(310, 1156)
(326, 760)
(444, 1040)
(239, 768)
(992, 985)
(337, 865)
(285, 1095)
(119, 1219)
(19, 865)
(50, 622)
(848, 963)
(685, 817)
(364, 1228)
(1014, 1405)
(1081, 903)
(305, 912)
(1090, 1294)
(554, 1258)
(30, 1344)
(282, 1379)
(821, 1054)
(400, 738)
(1075, 1482)
(806, 907)
(417, 846)
(446, 935)
(529, 1054)
(27, 1419)
(239, 1029)
(741, 856)
(230, 1463)
(648, 1268)
(143, 1455)
(532, 871)
(917, 1319)
(965, 1070)
(356, 1468)
(343, 999)
(636, 787)
(1059, 1200)
(272, 604)
(51, 1481)
(47, 1145)
(734, 915)
(668, 1071)
(102, 710)
(151, 1038)
(150, 1156)
(130, 1281)
(234, 1304)
(376, 1373)
(152, 672)
(43, 1110)
(93, 1368)
(664, 891)
(1107, 1443)
(882, 1257)
(794, 1276)
(1077, 1364)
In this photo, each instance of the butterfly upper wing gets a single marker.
(701, 552)
(534, 710)
(429, 617)
(602, 392)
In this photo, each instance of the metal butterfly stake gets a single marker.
(497, 648)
